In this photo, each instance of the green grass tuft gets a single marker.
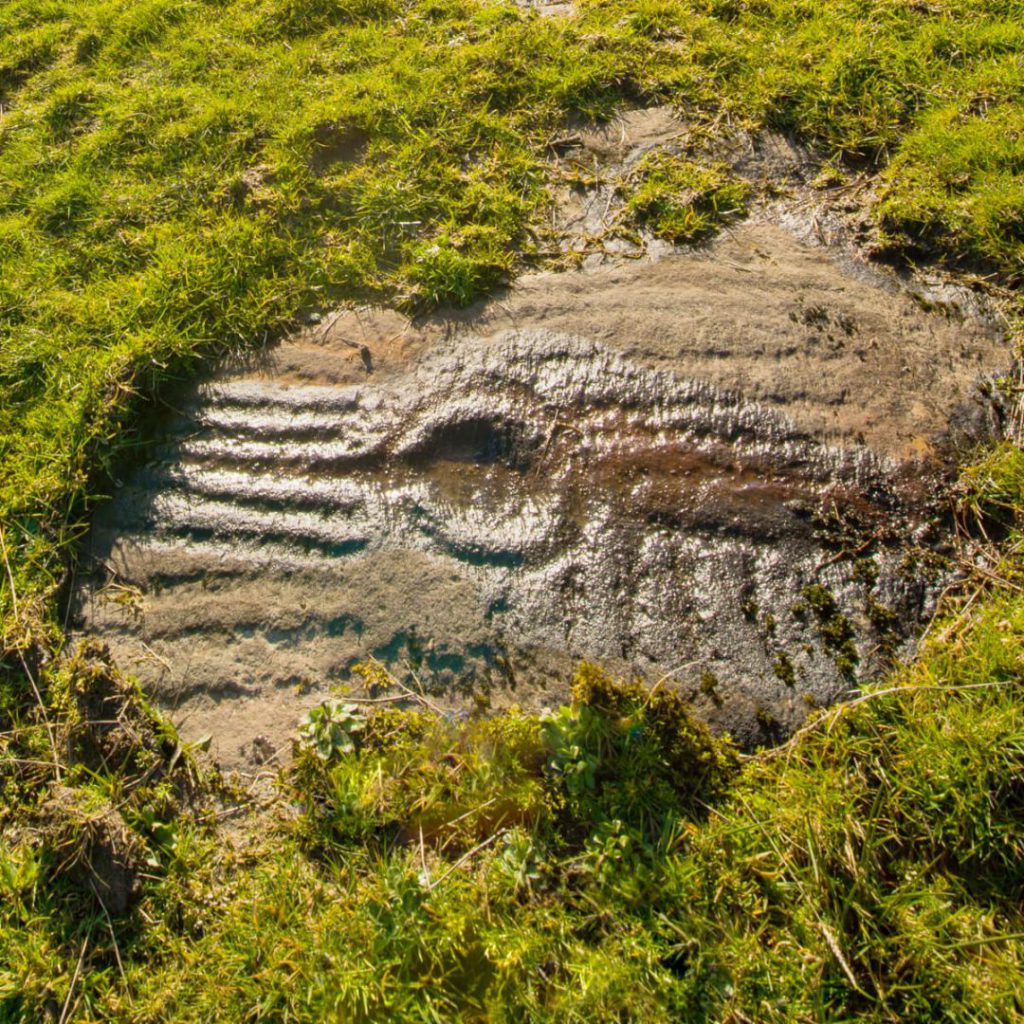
(684, 200)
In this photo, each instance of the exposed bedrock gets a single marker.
(718, 469)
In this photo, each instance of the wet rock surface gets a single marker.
(719, 469)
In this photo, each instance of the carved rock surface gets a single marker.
(636, 466)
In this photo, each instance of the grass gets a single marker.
(178, 177)
(684, 200)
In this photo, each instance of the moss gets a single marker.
(820, 600)
(766, 719)
(885, 619)
(784, 669)
(833, 627)
(866, 571)
(699, 766)
(709, 686)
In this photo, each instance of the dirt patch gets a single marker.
(337, 142)
(593, 169)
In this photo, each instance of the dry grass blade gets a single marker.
(24, 663)
(837, 952)
(65, 1010)
(466, 857)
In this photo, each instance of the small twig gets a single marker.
(565, 140)
(671, 672)
(846, 553)
(421, 696)
(324, 328)
(461, 817)
(392, 699)
(227, 812)
(163, 661)
(26, 761)
(407, 693)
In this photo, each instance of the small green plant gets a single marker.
(330, 729)
(610, 845)
(163, 835)
(785, 669)
(571, 735)
(709, 685)
(518, 861)
(682, 200)
(833, 627)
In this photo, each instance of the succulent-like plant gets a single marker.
(329, 729)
